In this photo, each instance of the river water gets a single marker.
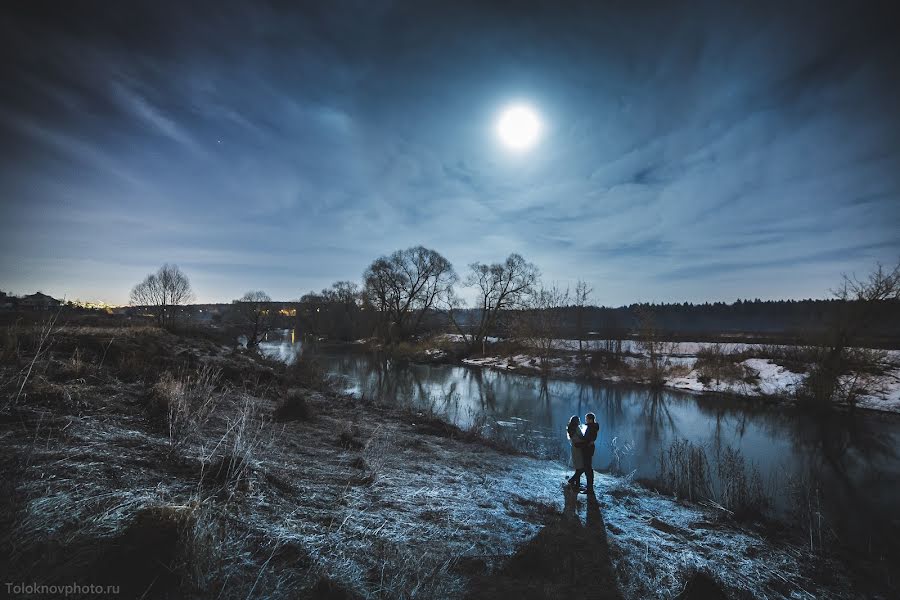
(852, 457)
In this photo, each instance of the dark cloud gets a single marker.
(692, 151)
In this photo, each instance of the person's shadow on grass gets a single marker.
(566, 559)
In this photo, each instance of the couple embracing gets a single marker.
(582, 440)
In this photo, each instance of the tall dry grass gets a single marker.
(187, 400)
(229, 462)
(726, 480)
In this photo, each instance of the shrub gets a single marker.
(307, 372)
(293, 407)
(715, 364)
(841, 375)
(408, 351)
(348, 439)
(793, 358)
(9, 345)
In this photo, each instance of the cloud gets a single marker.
(158, 122)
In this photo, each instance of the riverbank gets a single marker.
(177, 467)
(768, 372)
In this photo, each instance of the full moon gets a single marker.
(519, 127)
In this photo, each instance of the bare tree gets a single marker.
(405, 286)
(654, 347)
(161, 292)
(255, 316)
(841, 370)
(581, 299)
(539, 324)
(500, 287)
(335, 312)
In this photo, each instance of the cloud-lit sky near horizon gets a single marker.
(704, 151)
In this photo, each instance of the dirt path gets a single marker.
(568, 558)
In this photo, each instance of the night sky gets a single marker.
(689, 151)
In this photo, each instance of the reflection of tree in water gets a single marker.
(386, 382)
(487, 395)
(544, 400)
(846, 448)
(610, 403)
(732, 416)
(840, 436)
(843, 443)
(657, 417)
(849, 454)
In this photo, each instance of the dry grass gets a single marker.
(231, 460)
(727, 481)
(718, 364)
(187, 400)
(807, 511)
(684, 471)
(621, 450)
(740, 486)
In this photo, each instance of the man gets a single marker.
(592, 429)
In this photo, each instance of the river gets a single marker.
(851, 457)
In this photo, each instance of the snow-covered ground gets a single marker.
(654, 540)
(772, 380)
(887, 397)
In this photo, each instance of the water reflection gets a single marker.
(283, 345)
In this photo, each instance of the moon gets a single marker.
(519, 127)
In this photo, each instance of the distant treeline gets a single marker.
(775, 320)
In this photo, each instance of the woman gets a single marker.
(576, 437)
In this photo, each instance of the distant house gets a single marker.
(38, 301)
(6, 301)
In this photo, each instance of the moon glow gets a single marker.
(519, 127)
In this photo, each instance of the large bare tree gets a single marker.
(404, 286)
(499, 287)
(162, 291)
(255, 316)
